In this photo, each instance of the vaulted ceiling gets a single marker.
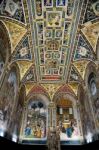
(52, 41)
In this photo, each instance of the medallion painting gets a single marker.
(35, 127)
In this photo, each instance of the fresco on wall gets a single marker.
(8, 95)
(35, 127)
(2, 53)
(15, 124)
(12, 8)
(94, 96)
(1, 65)
(87, 123)
(66, 121)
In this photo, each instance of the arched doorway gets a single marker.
(35, 119)
(67, 117)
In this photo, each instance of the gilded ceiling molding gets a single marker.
(51, 89)
(16, 31)
(74, 86)
(91, 32)
(24, 67)
(81, 67)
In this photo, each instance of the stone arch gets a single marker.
(5, 49)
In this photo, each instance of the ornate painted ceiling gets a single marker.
(52, 41)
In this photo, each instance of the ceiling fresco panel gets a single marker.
(83, 50)
(51, 26)
(12, 9)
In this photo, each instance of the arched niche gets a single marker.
(35, 119)
(8, 98)
(67, 117)
(5, 48)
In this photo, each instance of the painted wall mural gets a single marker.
(94, 96)
(7, 100)
(88, 125)
(23, 51)
(67, 121)
(3, 52)
(12, 8)
(36, 120)
(83, 51)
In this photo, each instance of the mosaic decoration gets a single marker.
(23, 52)
(92, 11)
(16, 31)
(91, 32)
(51, 26)
(83, 51)
(12, 8)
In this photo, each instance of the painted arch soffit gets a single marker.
(91, 32)
(23, 67)
(81, 66)
(16, 31)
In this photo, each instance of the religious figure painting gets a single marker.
(61, 2)
(39, 7)
(35, 126)
(54, 19)
(47, 2)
